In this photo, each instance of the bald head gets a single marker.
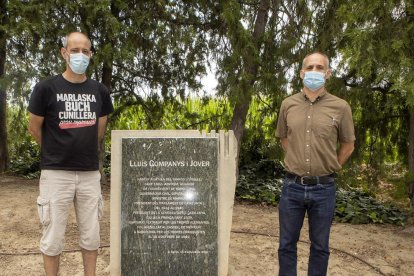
(75, 37)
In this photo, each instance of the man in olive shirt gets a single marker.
(311, 125)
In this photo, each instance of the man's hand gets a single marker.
(35, 127)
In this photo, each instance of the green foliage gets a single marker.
(260, 182)
(377, 64)
(360, 207)
(24, 152)
(350, 176)
(193, 113)
(259, 140)
(400, 190)
(27, 163)
(400, 186)
(107, 163)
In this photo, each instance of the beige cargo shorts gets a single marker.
(58, 190)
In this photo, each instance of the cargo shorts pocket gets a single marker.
(100, 207)
(43, 209)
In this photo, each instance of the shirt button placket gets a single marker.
(308, 138)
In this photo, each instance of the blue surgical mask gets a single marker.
(314, 80)
(78, 63)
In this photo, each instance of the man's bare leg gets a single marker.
(89, 261)
(51, 264)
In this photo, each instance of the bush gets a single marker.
(26, 161)
(359, 207)
(261, 182)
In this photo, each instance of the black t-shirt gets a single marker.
(70, 129)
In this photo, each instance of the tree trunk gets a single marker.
(411, 158)
(107, 75)
(242, 106)
(107, 81)
(4, 157)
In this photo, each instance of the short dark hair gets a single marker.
(316, 52)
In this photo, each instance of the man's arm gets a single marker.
(284, 142)
(344, 152)
(35, 127)
(101, 128)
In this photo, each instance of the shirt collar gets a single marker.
(317, 99)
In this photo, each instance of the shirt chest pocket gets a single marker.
(327, 128)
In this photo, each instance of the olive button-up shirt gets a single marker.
(313, 130)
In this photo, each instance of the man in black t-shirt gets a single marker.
(68, 115)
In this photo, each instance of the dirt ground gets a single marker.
(356, 249)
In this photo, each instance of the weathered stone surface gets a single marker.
(169, 206)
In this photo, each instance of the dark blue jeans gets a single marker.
(319, 202)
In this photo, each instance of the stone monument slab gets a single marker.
(172, 194)
(169, 206)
